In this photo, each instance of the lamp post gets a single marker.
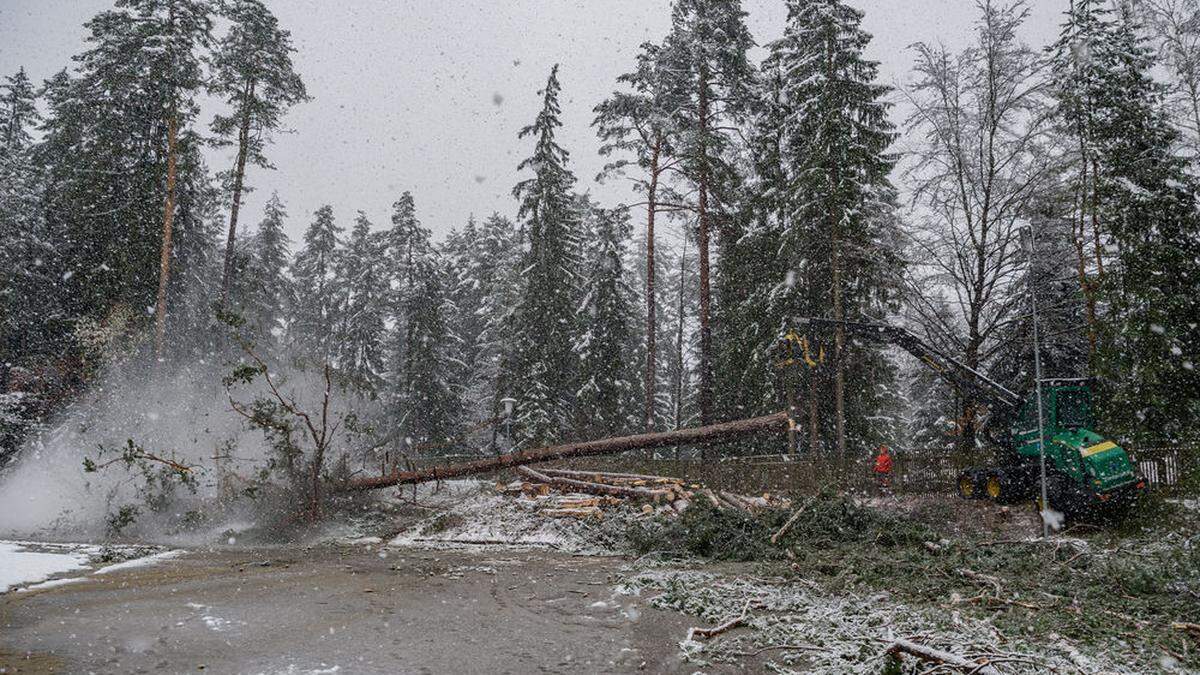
(1027, 231)
(508, 403)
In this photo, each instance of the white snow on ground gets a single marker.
(31, 565)
(20, 564)
(53, 583)
(139, 562)
(805, 630)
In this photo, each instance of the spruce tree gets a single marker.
(27, 267)
(267, 286)
(607, 389)
(837, 234)
(1141, 211)
(545, 365)
(408, 245)
(254, 74)
(484, 289)
(363, 288)
(431, 406)
(315, 302)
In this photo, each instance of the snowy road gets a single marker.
(344, 609)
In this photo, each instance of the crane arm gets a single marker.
(952, 370)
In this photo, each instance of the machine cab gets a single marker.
(1067, 406)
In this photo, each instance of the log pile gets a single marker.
(584, 494)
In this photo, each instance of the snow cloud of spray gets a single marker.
(185, 417)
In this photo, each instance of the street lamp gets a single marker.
(508, 403)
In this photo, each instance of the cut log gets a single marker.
(592, 488)
(605, 446)
(738, 501)
(601, 475)
(941, 658)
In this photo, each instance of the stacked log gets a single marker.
(662, 494)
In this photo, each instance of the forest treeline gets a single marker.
(765, 191)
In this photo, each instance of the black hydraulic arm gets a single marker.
(951, 369)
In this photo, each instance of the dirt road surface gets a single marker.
(342, 609)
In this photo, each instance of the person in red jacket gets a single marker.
(883, 468)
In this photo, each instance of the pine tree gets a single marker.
(254, 75)
(192, 288)
(315, 307)
(834, 139)
(362, 282)
(638, 123)
(170, 35)
(112, 147)
(546, 322)
(706, 56)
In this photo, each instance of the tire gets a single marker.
(1004, 486)
(994, 486)
(969, 485)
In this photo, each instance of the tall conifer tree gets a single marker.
(547, 325)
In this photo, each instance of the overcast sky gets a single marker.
(428, 95)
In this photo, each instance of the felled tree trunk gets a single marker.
(604, 446)
(591, 487)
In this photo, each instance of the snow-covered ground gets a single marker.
(30, 565)
(801, 629)
(22, 564)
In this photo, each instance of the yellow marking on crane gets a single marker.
(1099, 447)
(808, 355)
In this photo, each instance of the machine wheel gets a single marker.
(993, 486)
(969, 485)
(1002, 487)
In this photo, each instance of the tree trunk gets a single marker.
(814, 429)
(839, 335)
(966, 435)
(592, 487)
(651, 304)
(606, 446)
(706, 391)
(679, 344)
(1085, 285)
(164, 262)
(239, 175)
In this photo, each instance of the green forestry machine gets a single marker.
(1085, 472)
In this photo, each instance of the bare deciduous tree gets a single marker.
(981, 114)
(1176, 25)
